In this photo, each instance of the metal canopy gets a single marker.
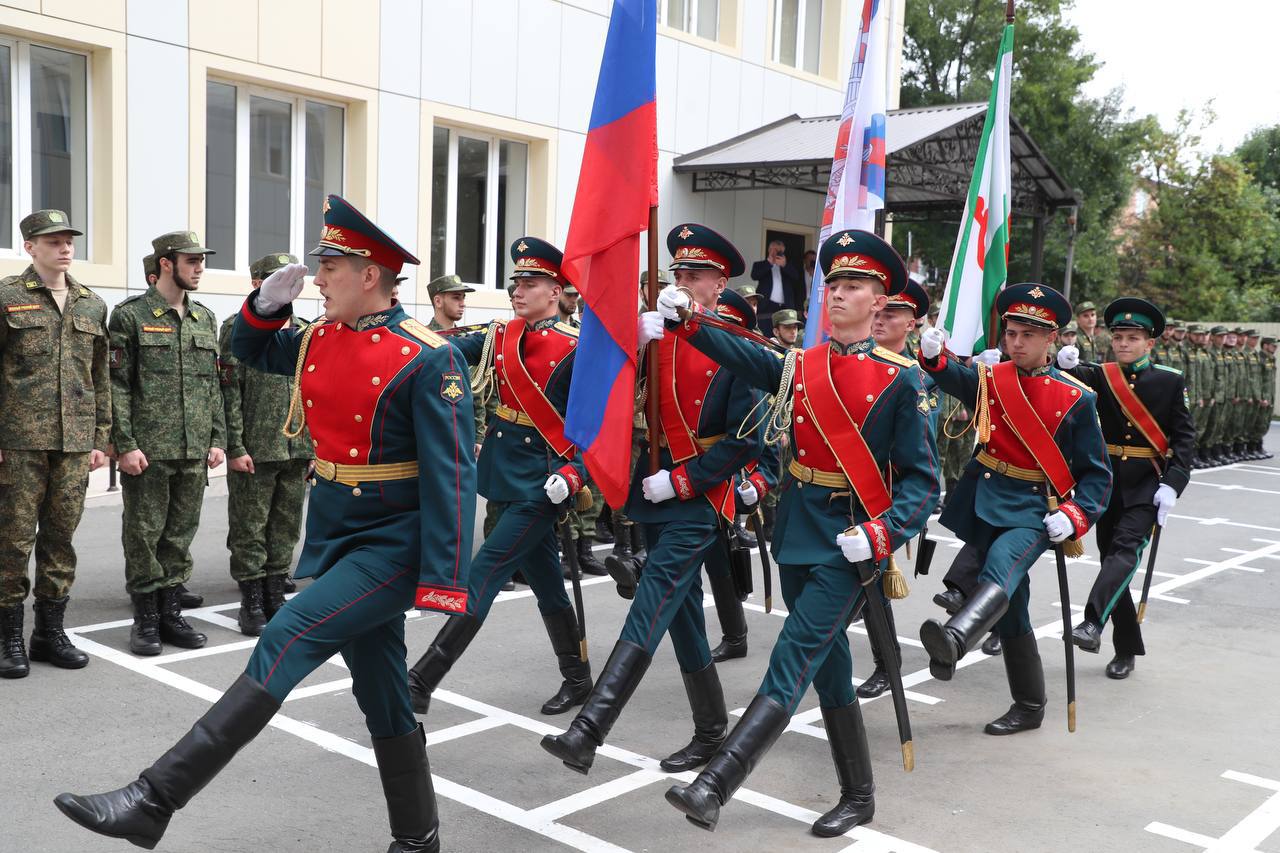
(930, 156)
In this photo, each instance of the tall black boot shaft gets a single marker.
(49, 642)
(562, 630)
(621, 537)
(622, 673)
(948, 643)
(587, 561)
(878, 681)
(733, 621)
(411, 799)
(761, 725)
(13, 651)
(847, 736)
(1026, 686)
(710, 720)
(425, 675)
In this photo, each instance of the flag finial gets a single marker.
(1008, 11)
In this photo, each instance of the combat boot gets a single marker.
(847, 736)
(1240, 455)
(49, 642)
(411, 799)
(13, 654)
(290, 585)
(733, 621)
(1263, 453)
(878, 681)
(144, 636)
(252, 618)
(587, 561)
(576, 747)
(770, 515)
(746, 538)
(761, 725)
(710, 720)
(425, 675)
(562, 629)
(273, 589)
(174, 628)
(622, 564)
(140, 811)
(604, 531)
(638, 547)
(946, 644)
(189, 599)
(1026, 686)
(992, 645)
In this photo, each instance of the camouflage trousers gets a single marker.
(492, 512)
(953, 453)
(1201, 416)
(161, 514)
(583, 524)
(264, 517)
(41, 501)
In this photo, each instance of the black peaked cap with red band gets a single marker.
(1036, 304)
(349, 232)
(853, 253)
(694, 246)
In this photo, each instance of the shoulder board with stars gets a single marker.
(422, 333)
(891, 356)
(566, 329)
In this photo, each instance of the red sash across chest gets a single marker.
(344, 377)
(1025, 413)
(524, 362)
(1133, 407)
(684, 378)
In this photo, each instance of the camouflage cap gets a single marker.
(1196, 328)
(569, 288)
(46, 222)
(149, 265)
(447, 284)
(1070, 328)
(1268, 340)
(786, 317)
(181, 242)
(1177, 326)
(1250, 333)
(748, 289)
(1238, 330)
(1218, 330)
(663, 277)
(1086, 306)
(267, 264)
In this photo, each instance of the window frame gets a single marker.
(245, 92)
(776, 49)
(490, 280)
(690, 27)
(23, 179)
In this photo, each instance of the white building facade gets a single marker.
(457, 125)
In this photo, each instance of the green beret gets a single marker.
(46, 222)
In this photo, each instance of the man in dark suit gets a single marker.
(779, 284)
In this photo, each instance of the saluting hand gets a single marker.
(932, 341)
(281, 288)
(671, 301)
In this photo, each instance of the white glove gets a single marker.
(557, 489)
(1165, 500)
(650, 328)
(671, 300)
(855, 546)
(989, 357)
(932, 341)
(1068, 356)
(281, 288)
(1058, 526)
(658, 487)
(748, 492)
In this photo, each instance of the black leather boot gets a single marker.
(411, 799)
(710, 720)
(49, 642)
(946, 644)
(1026, 686)
(144, 636)
(950, 600)
(604, 531)
(746, 538)
(13, 651)
(700, 800)
(562, 629)
(1120, 667)
(1263, 453)
(290, 585)
(621, 537)
(638, 547)
(733, 621)
(613, 688)
(992, 645)
(174, 628)
(622, 565)
(769, 513)
(273, 590)
(848, 738)
(140, 811)
(252, 618)
(587, 559)
(425, 675)
(1087, 636)
(189, 599)
(878, 681)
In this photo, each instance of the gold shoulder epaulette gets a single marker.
(564, 327)
(422, 333)
(1069, 378)
(890, 355)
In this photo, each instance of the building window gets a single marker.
(696, 17)
(270, 160)
(479, 191)
(44, 137)
(797, 33)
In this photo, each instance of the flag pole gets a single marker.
(1008, 12)
(651, 395)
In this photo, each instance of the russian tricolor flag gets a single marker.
(617, 185)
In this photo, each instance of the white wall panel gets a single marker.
(569, 162)
(579, 66)
(399, 122)
(668, 98)
(446, 51)
(400, 54)
(693, 71)
(751, 97)
(161, 20)
(494, 29)
(538, 62)
(157, 188)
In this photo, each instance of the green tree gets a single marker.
(1260, 151)
(949, 54)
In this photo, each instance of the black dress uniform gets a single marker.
(1140, 463)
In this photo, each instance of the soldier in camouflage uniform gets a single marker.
(1178, 347)
(1237, 372)
(1267, 355)
(1199, 379)
(149, 269)
(1094, 343)
(168, 424)
(266, 474)
(749, 291)
(55, 419)
(1215, 389)
(1258, 415)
